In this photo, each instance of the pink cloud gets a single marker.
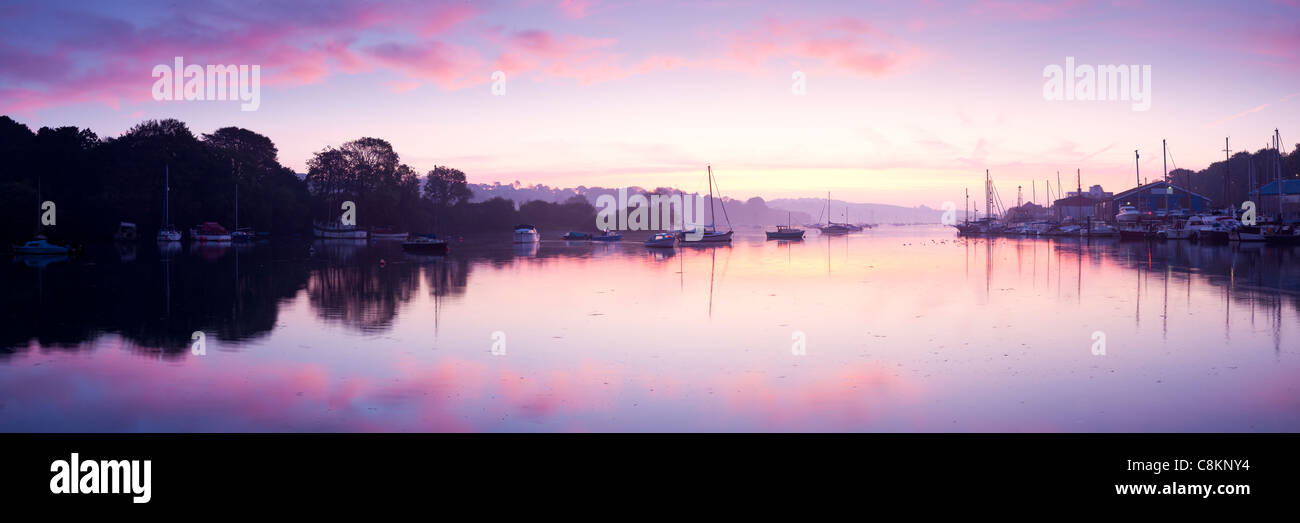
(844, 45)
(1024, 10)
(575, 8)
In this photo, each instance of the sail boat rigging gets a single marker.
(168, 232)
(710, 234)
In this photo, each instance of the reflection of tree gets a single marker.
(1265, 275)
(365, 291)
(154, 303)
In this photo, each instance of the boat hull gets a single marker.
(526, 237)
(340, 234)
(783, 235)
(707, 237)
(438, 247)
(51, 250)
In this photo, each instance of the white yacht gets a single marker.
(525, 233)
(1127, 214)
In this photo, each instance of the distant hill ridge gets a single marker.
(754, 211)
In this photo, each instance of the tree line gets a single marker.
(96, 183)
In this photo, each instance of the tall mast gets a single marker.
(966, 215)
(1137, 172)
(988, 195)
(167, 194)
(713, 222)
(1227, 171)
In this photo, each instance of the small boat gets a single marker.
(338, 231)
(576, 235)
(525, 233)
(387, 233)
(1127, 214)
(662, 240)
(40, 246)
(242, 234)
(1132, 232)
(705, 236)
(210, 232)
(1245, 233)
(1282, 235)
(1101, 230)
(425, 244)
(126, 232)
(1207, 229)
(835, 229)
(609, 236)
(1173, 232)
(168, 232)
(785, 232)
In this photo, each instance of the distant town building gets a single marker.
(1284, 204)
(1078, 208)
(1159, 198)
(1093, 192)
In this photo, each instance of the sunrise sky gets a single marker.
(906, 102)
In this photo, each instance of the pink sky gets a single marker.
(905, 102)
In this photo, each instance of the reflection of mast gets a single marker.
(713, 254)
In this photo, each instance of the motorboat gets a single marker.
(210, 232)
(577, 236)
(169, 233)
(387, 233)
(338, 231)
(1101, 230)
(785, 232)
(1127, 214)
(608, 236)
(425, 244)
(662, 240)
(40, 246)
(1207, 229)
(126, 232)
(525, 233)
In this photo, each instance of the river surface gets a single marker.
(895, 329)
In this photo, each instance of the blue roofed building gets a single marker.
(1283, 203)
(1159, 198)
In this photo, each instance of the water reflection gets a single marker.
(907, 329)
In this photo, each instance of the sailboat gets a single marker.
(243, 234)
(710, 233)
(39, 245)
(832, 228)
(168, 232)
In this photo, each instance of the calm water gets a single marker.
(904, 328)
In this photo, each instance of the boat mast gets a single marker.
(988, 195)
(1137, 168)
(1227, 171)
(1164, 162)
(167, 194)
(713, 221)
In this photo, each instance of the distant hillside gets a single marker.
(753, 211)
(842, 211)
